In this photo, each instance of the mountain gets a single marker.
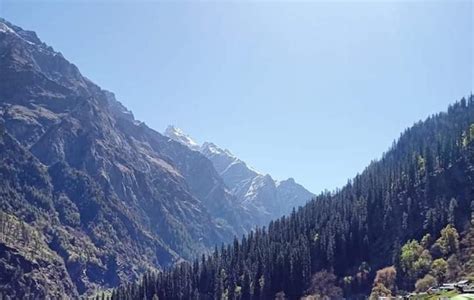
(181, 137)
(407, 220)
(98, 197)
(260, 195)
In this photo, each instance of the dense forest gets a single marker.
(404, 213)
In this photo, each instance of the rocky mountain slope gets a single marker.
(260, 195)
(405, 223)
(105, 196)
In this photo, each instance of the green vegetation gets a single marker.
(416, 265)
(91, 199)
(404, 211)
(435, 296)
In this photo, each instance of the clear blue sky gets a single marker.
(312, 90)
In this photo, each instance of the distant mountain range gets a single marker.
(404, 224)
(91, 197)
(260, 195)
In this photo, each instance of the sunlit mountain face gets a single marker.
(96, 203)
(258, 194)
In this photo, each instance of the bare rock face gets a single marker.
(107, 197)
(260, 196)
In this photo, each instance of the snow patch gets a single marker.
(6, 29)
(181, 137)
(214, 149)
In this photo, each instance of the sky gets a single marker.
(302, 89)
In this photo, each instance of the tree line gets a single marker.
(334, 245)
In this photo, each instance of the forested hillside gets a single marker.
(337, 242)
(104, 196)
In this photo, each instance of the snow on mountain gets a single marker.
(259, 194)
(5, 28)
(179, 136)
(85, 177)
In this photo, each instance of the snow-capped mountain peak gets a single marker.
(214, 149)
(178, 135)
(259, 194)
(5, 28)
(25, 35)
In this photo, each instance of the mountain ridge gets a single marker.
(134, 199)
(259, 194)
(405, 223)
